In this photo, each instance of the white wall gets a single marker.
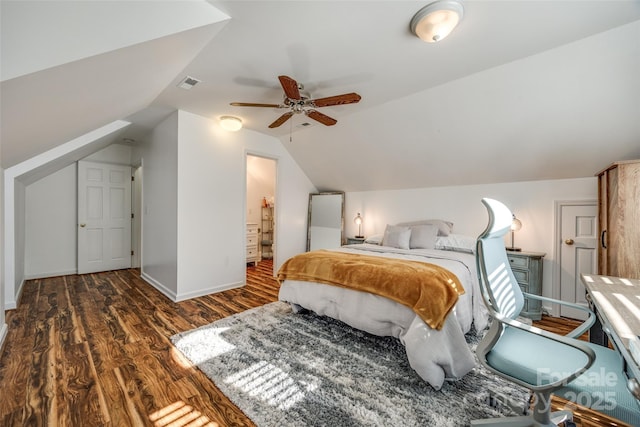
(194, 198)
(118, 154)
(19, 236)
(55, 33)
(3, 324)
(532, 202)
(211, 196)
(50, 225)
(50, 217)
(160, 207)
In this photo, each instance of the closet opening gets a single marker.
(261, 210)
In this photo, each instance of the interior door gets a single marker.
(104, 217)
(578, 253)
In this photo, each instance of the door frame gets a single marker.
(136, 210)
(276, 196)
(557, 246)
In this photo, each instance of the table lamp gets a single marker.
(516, 225)
(358, 220)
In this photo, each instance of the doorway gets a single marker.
(576, 240)
(261, 203)
(104, 217)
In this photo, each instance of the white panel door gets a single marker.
(104, 217)
(578, 254)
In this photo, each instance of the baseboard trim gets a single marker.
(159, 286)
(189, 295)
(203, 292)
(12, 305)
(50, 274)
(4, 330)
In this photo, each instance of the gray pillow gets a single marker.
(423, 236)
(444, 227)
(396, 237)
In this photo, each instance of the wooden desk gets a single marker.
(616, 302)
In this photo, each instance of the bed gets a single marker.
(438, 352)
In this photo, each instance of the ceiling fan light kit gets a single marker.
(230, 123)
(301, 103)
(437, 20)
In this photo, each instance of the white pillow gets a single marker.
(396, 237)
(456, 242)
(376, 239)
(444, 227)
(423, 236)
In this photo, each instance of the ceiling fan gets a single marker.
(300, 102)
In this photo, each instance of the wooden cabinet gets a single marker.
(266, 242)
(619, 220)
(252, 244)
(527, 269)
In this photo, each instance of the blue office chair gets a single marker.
(544, 362)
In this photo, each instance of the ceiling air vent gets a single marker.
(188, 82)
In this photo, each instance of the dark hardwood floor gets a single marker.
(94, 350)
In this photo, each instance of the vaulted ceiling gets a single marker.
(522, 90)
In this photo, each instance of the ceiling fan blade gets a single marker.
(253, 104)
(322, 118)
(280, 120)
(347, 98)
(290, 87)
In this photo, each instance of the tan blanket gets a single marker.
(429, 290)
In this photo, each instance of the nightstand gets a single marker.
(527, 269)
(355, 240)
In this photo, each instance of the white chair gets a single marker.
(544, 362)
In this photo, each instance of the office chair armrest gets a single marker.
(583, 327)
(591, 356)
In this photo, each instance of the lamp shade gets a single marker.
(358, 220)
(516, 224)
(230, 123)
(437, 20)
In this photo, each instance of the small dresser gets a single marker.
(355, 240)
(527, 269)
(252, 243)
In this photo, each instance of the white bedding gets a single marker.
(434, 355)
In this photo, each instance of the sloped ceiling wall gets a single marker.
(70, 67)
(564, 113)
(524, 90)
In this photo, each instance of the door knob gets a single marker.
(569, 242)
(83, 225)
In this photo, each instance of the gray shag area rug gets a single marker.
(286, 369)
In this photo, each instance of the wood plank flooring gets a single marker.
(94, 350)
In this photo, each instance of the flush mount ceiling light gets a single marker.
(230, 123)
(436, 20)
